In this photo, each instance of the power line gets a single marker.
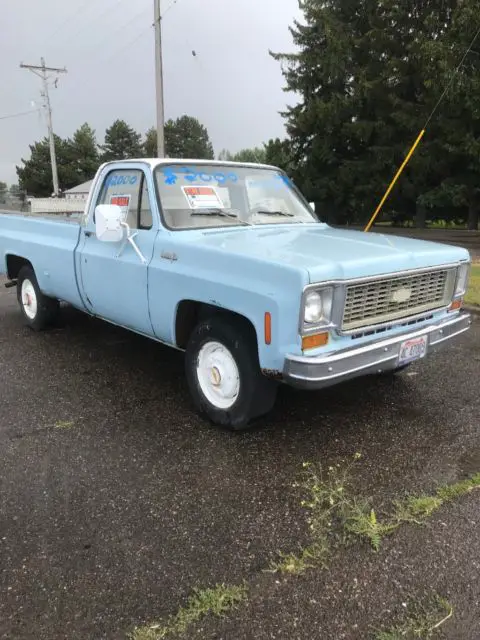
(70, 18)
(137, 38)
(129, 44)
(18, 115)
(118, 30)
(454, 74)
(170, 6)
(96, 18)
(62, 24)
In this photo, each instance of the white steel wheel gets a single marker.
(29, 299)
(37, 309)
(218, 375)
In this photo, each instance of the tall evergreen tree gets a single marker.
(367, 74)
(35, 176)
(85, 156)
(455, 129)
(186, 137)
(150, 143)
(279, 154)
(121, 142)
(253, 154)
(321, 73)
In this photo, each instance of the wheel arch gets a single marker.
(14, 263)
(190, 312)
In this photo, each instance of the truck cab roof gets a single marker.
(155, 162)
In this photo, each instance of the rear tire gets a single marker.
(223, 373)
(38, 310)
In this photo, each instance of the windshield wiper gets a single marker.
(213, 211)
(268, 212)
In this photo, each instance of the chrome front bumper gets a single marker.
(317, 372)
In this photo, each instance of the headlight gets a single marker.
(318, 307)
(463, 272)
(313, 307)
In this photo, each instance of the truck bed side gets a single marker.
(49, 245)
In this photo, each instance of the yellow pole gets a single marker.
(393, 182)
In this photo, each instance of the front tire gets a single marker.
(38, 310)
(223, 373)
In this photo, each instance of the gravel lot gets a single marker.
(116, 499)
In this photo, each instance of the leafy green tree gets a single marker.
(35, 176)
(85, 154)
(186, 137)
(121, 142)
(15, 190)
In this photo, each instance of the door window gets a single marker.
(128, 189)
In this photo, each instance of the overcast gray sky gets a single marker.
(232, 85)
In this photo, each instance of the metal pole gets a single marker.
(159, 81)
(394, 181)
(41, 72)
(53, 155)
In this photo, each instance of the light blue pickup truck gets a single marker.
(228, 263)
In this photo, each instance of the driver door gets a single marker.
(113, 277)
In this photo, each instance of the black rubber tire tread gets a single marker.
(47, 308)
(257, 393)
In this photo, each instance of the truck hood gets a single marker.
(331, 254)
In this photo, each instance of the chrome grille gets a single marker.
(380, 301)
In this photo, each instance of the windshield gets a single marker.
(198, 196)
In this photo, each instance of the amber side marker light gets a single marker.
(456, 304)
(314, 341)
(268, 328)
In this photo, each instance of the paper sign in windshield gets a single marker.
(121, 201)
(203, 198)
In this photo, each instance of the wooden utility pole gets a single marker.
(159, 81)
(43, 72)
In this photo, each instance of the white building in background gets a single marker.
(80, 192)
(74, 201)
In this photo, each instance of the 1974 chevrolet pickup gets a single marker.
(228, 262)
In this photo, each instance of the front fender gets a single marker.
(246, 287)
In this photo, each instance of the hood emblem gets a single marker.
(403, 294)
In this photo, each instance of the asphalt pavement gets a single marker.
(116, 499)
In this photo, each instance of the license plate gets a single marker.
(411, 350)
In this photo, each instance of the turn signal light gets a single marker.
(456, 304)
(315, 340)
